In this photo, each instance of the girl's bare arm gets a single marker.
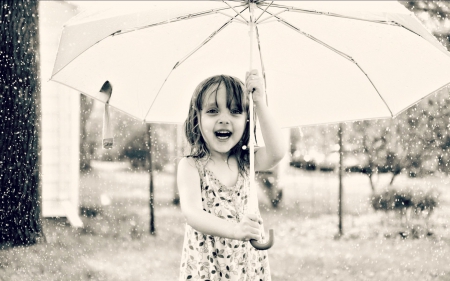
(188, 181)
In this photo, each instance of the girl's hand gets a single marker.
(255, 84)
(248, 228)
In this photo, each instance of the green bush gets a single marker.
(426, 202)
(395, 199)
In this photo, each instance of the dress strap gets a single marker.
(201, 171)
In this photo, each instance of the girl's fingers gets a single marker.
(252, 228)
(252, 84)
(252, 217)
(252, 78)
(253, 71)
(252, 223)
(253, 235)
(251, 75)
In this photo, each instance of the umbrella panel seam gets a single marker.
(177, 64)
(234, 18)
(270, 15)
(283, 21)
(211, 36)
(311, 12)
(348, 57)
(264, 11)
(418, 101)
(237, 13)
(261, 60)
(120, 32)
(371, 82)
(176, 19)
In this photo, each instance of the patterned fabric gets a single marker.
(207, 257)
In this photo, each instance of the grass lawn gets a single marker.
(114, 243)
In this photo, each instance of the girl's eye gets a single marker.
(212, 111)
(235, 111)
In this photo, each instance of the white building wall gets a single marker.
(60, 122)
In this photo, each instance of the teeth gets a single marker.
(223, 134)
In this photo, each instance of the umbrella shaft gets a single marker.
(251, 32)
(254, 201)
(251, 146)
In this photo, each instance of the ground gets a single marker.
(114, 243)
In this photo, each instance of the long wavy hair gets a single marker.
(235, 93)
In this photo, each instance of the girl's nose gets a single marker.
(224, 118)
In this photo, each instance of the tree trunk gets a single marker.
(151, 197)
(20, 206)
(371, 182)
(392, 179)
(178, 155)
(341, 168)
(86, 105)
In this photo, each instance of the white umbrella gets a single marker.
(323, 62)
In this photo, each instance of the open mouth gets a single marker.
(223, 134)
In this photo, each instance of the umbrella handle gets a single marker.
(263, 246)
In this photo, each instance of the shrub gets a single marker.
(408, 203)
(384, 201)
(395, 199)
(426, 203)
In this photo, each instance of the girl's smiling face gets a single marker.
(222, 127)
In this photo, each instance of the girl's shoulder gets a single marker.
(187, 163)
(187, 170)
(190, 164)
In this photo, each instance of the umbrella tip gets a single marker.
(106, 88)
(105, 92)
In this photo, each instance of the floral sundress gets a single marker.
(207, 257)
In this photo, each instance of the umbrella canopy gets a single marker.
(323, 62)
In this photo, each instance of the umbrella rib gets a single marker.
(271, 16)
(264, 11)
(206, 40)
(237, 13)
(298, 10)
(234, 18)
(423, 98)
(385, 22)
(371, 82)
(179, 18)
(281, 20)
(261, 60)
(177, 64)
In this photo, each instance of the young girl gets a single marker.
(213, 180)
